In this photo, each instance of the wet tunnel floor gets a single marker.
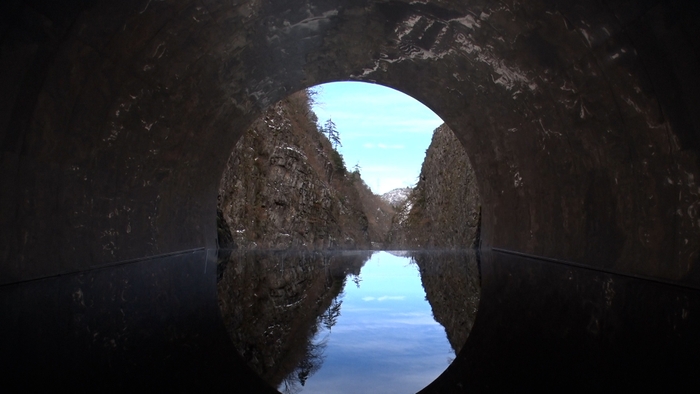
(352, 322)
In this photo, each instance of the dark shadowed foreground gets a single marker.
(601, 330)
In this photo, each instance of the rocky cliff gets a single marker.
(443, 210)
(286, 187)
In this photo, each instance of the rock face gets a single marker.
(443, 210)
(581, 120)
(285, 187)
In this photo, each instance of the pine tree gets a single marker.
(332, 132)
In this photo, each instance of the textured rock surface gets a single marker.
(581, 121)
(443, 210)
(281, 188)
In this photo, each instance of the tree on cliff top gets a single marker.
(332, 132)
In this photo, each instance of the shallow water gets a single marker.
(351, 322)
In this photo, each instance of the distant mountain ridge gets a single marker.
(397, 196)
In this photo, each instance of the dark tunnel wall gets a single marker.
(581, 120)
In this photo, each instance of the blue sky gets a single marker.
(384, 130)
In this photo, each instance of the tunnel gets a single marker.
(581, 121)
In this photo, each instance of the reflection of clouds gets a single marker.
(362, 310)
(376, 378)
(385, 298)
(391, 325)
(408, 314)
(379, 346)
(423, 320)
(389, 348)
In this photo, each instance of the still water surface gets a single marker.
(348, 323)
(386, 339)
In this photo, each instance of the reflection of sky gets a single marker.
(386, 340)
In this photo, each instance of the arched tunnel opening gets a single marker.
(581, 122)
(324, 282)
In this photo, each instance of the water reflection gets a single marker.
(452, 283)
(303, 327)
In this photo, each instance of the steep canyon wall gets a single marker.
(443, 210)
(285, 187)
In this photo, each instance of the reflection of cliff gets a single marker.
(452, 286)
(442, 211)
(273, 305)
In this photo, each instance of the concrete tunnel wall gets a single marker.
(580, 120)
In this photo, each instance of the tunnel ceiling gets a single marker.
(581, 120)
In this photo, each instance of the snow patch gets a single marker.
(397, 196)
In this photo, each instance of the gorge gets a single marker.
(283, 191)
(286, 187)
(580, 120)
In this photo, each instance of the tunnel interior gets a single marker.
(580, 120)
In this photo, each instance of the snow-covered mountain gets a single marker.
(397, 196)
